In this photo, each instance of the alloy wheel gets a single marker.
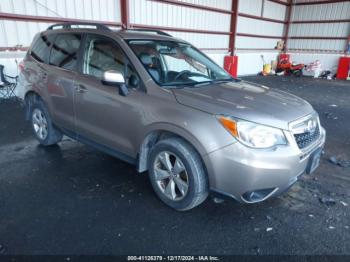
(171, 175)
(39, 124)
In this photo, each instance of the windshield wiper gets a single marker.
(178, 85)
(223, 80)
(204, 83)
(198, 84)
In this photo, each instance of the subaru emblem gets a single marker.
(311, 125)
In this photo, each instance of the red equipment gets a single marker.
(343, 67)
(231, 65)
(285, 65)
(283, 57)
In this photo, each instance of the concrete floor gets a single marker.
(72, 199)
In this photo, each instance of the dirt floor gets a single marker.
(72, 199)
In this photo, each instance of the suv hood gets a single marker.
(247, 101)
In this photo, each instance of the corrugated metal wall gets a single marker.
(322, 48)
(264, 9)
(331, 11)
(162, 14)
(140, 11)
(21, 33)
(250, 61)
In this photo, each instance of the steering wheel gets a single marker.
(184, 72)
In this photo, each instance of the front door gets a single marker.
(102, 115)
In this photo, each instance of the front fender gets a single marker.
(179, 131)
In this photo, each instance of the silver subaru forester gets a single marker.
(164, 106)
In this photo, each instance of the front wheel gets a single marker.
(177, 174)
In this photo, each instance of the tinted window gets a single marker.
(102, 54)
(41, 47)
(64, 52)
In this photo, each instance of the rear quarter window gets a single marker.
(40, 50)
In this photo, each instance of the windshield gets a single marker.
(173, 63)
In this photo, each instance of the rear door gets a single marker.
(62, 73)
(34, 74)
(102, 115)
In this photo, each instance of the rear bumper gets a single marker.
(253, 175)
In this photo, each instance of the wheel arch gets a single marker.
(29, 99)
(160, 133)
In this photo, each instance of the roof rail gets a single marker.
(69, 26)
(148, 30)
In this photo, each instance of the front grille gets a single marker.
(305, 139)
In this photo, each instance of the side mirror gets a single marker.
(115, 78)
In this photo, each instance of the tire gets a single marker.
(185, 164)
(44, 130)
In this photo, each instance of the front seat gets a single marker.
(151, 67)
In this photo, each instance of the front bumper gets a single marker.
(253, 175)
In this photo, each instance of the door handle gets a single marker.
(44, 76)
(80, 88)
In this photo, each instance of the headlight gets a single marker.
(253, 135)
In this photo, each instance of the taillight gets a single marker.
(21, 66)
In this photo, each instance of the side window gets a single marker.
(64, 52)
(102, 54)
(41, 47)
